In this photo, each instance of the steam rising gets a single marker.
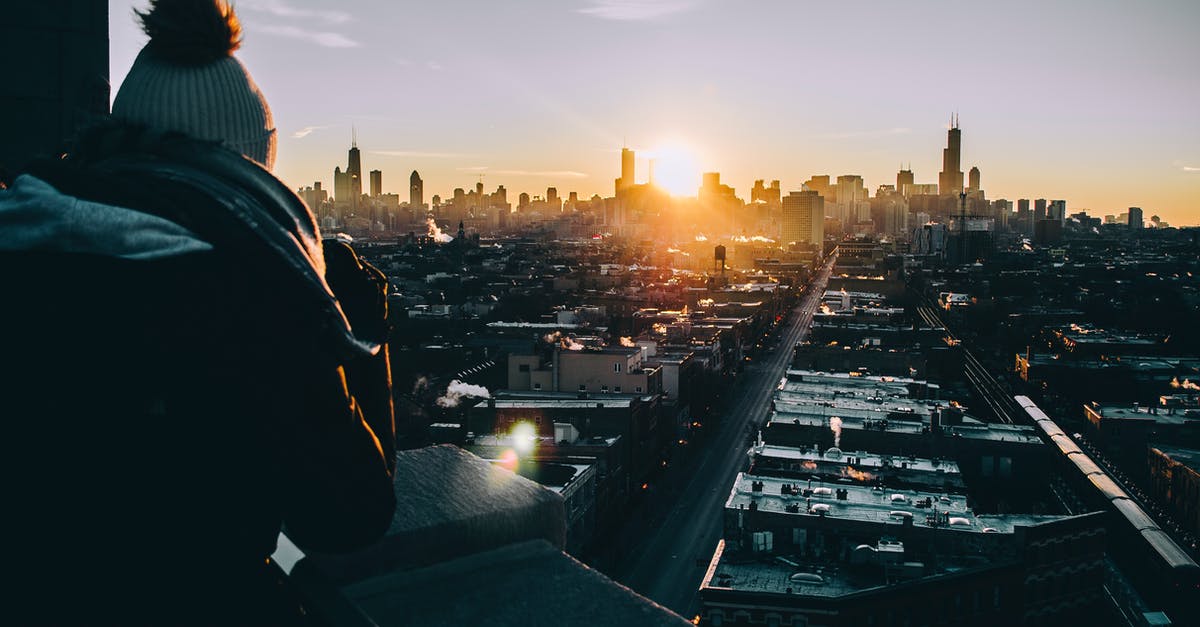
(435, 232)
(457, 390)
(835, 425)
(628, 342)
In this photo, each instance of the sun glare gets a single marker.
(675, 168)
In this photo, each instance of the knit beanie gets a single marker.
(186, 79)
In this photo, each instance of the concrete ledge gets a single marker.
(528, 584)
(451, 503)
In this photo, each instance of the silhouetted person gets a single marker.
(186, 366)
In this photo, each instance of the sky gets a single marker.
(1093, 101)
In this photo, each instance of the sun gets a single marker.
(675, 168)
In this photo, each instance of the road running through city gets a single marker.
(668, 565)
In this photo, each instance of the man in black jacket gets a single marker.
(187, 367)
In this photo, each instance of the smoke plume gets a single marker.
(435, 232)
(457, 390)
(835, 425)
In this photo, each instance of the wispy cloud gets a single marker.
(566, 174)
(306, 131)
(282, 9)
(434, 66)
(875, 133)
(636, 10)
(417, 154)
(325, 39)
(1190, 168)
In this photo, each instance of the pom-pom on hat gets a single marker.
(186, 79)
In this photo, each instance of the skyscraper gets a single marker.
(1039, 210)
(904, 180)
(1057, 211)
(416, 192)
(852, 206)
(803, 218)
(627, 171)
(1135, 218)
(341, 186)
(376, 183)
(950, 180)
(973, 179)
(354, 170)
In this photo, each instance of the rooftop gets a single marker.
(885, 507)
(1146, 413)
(861, 460)
(1189, 457)
(993, 432)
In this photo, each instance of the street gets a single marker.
(668, 564)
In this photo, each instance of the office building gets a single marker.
(950, 180)
(1057, 210)
(376, 183)
(416, 192)
(626, 180)
(852, 206)
(803, 218)
(904, 181)
(1039, 210)
(1135, 217)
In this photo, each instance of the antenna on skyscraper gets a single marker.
(353, 136)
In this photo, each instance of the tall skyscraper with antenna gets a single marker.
(627, 171)
(355, 168)
(904, 180)
(950, 180)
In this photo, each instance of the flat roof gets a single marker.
(861, 460)
(885, 507)
(994, 431)
(1142, 413)
(1189, 457)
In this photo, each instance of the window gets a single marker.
(617, 389)
(638, 389)
(537, 386)
(582, 387)
(604, 388)
(617, 367)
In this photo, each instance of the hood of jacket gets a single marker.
(140, 194)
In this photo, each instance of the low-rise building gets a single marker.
(833, 554)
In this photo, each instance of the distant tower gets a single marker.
(376, 183)
(416, 192)
(1039, 210)
(1057, 211)
(355, 169)
(627, 171)
(552, 199)
(341, 185)
(1135, 218)
(803, 218)
(973, 180)
(904, 180)
(950, 180)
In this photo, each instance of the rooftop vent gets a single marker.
(808, 578)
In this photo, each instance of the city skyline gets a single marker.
(1085, 105)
